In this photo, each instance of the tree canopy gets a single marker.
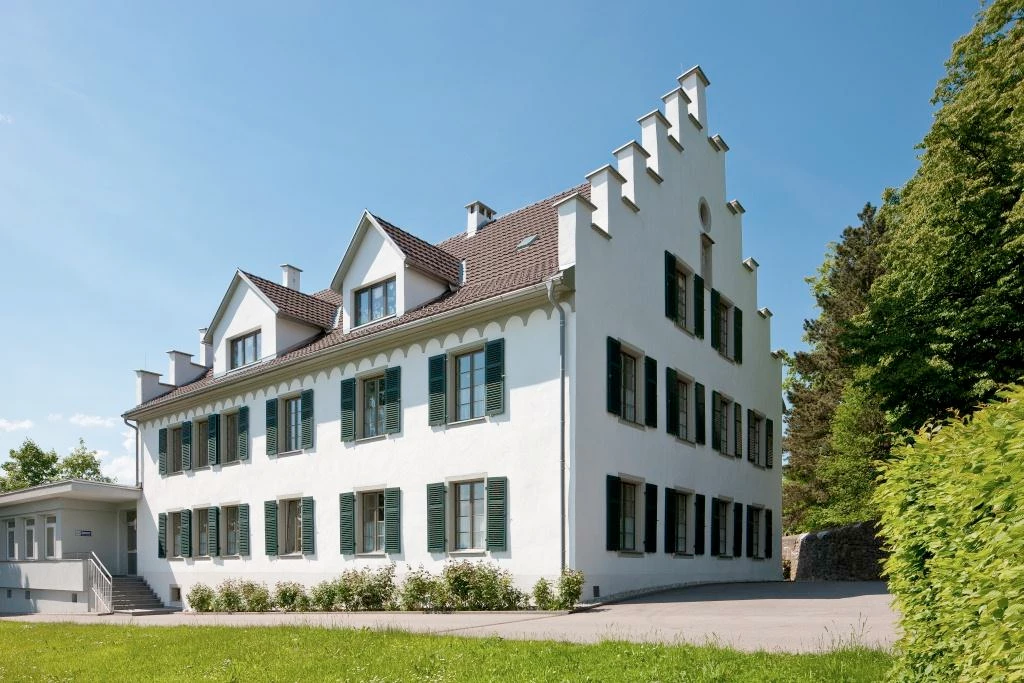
(30, 465)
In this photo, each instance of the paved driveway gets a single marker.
(791, 617)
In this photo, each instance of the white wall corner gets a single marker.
(575, 214)
(291, 277)
(677, 104)
(205, 349)
(148, 386)
(181, 368)
(654, 137)
(694, 82)
(632, 164)
(606, 195)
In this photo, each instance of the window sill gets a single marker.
(197, 469)
(759, 559)
(630, 553)
(635, 425)
(686, 442)
(470, 421)
(471, 552)
(727, 456)
(175, 474)
(290, 556)
(369, 323)
(725, 557)
(176, 558)
(229, 557)
(231, 462)
(368, 439)
(285, 454)
(202, 557)
(686, 330)
(374, 555)
(684, 555)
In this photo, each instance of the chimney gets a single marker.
(479, 215)
(693, 83)
(290, 276)
(205, 350)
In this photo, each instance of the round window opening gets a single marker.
(705, 216)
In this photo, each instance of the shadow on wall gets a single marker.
(849, 553)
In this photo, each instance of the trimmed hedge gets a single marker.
(952, 506)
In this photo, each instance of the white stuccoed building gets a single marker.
(585, 382)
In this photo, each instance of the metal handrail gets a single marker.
(100, 581)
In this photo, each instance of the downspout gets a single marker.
(138, 471)
(561, 411)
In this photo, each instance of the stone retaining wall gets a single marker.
(849, 553)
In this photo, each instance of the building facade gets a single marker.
(585, 382)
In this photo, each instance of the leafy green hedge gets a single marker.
(952, 508)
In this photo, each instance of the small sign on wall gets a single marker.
(83, 532)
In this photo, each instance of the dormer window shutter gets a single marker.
(306, 416)
(272, 427)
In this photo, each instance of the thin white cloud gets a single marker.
(54, 417)
(120, 467)
(6, 119)
(128, 441)
(14, 425)
(92, 420)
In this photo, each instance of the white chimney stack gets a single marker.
(479, 215)
(205, 350)
(290, 276)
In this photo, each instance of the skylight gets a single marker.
(525, 242)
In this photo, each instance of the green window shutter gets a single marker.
(392, 400)
(308, 528)
(650, 518)
(243, 529)
(186, 533)
(716, 338)
(699, 530)
(671, 402)
(737, 535)
(270, 526)
(715, 549)
(242, 442)
(698, 306)
(494, 377)
(769, 445)
(738, 429)
(347, 527)
(497, 513)
(306, 415)
(750, 530)
(670, 521)
(162, 451)
(437, 386)
(393, 520)
(737, 333)
(161, 535)
(701, 413)
(751, 453)
(348, 409)
(650, 392)
(272, 426)
(769, 536)
(213, 535)
(671, 291)
(716, 422)
(436, 541)
(613, 509)
(213, 439)
(186, 445)
(614, 371)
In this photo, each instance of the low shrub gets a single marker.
(366, 589)
(482, 586)
(291, 596)
(422, 590)
(543, 597)
(255, 596)
(321, 596)
(201, 598)
(953, 519)
(229, 597)
(570, 588)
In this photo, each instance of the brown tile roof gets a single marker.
(305, 308)
(494, 266)
(423, 254)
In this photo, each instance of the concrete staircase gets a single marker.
(132, 595)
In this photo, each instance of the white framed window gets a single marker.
(373, 406)
(30, 539)
(628, 393)
(683, 299)
(756, 542)
(628, 517)
(723, 423)
(291, 434)
(202, 444)
(289, 526)
(375, 302)
(229, 437)
(12, 543)
(372, 518)
(470, 515)
(470, 385)
(245, 349)
(755, 438)
(229, 520)
(724, 517)
(724, 318)
(50, 537)
(682, 522)
(174, 448)
(201, 532)
(174, 534)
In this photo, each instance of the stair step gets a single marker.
(133, 595)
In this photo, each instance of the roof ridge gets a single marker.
(280, 286)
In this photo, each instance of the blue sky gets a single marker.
(147, 150)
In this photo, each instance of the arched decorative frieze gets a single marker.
(452, 339)
(335, 374)
(380, 359)
(539, 316)
(323, 375)
(471, 335)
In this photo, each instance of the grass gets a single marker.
(57, 652)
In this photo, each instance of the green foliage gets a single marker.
(953, 517)
(58, 651)
(229, 597)
(482, 586)
(29, 466)
(945, 323)
(255, 596)
(543, 596)
(82, 463)
(366, 589)
(321, 596)
(422, 590)
(201, 598)
(291, 596)
(570, 588)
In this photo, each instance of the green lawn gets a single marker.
(51, 651)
